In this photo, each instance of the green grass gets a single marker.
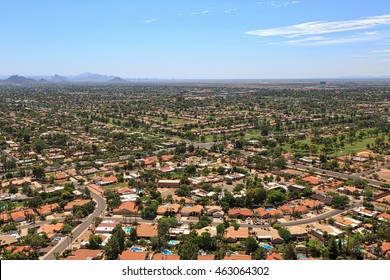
(113, 186)
(355, 147)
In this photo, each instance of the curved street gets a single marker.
(76, 232)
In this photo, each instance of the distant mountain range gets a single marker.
(82, 78)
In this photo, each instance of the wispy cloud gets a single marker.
(321, 27)
(200, 13)
(151, 20)
(381, 51)
(230, 11)
(278, 4)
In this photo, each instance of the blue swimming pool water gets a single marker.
(302, 256)
(166, 252)
(136, 249)
(173, 242)
(128, 229)
(269, 208)
(266, 246)
(233, 252)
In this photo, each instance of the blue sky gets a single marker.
(196, 38)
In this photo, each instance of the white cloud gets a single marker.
(380, 51)
(230, 11)
(321, 27)
(151, 20)
(200, 13)
(278, 4)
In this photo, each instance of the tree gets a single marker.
(285, 234)
(113, 199)
(333, 249)
(38, 172)
(94, 242)
(290, 253)
(66, 228)
(259, 254)
(188, 250)
(12, 189)
(340, 201)
(38, 145)
(250, 245)
(183, 190)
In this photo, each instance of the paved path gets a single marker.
(64, 243)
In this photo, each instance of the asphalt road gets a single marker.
(64, 243)
(287, 224)
(333, 173)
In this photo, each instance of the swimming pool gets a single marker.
(265, 246)
(302, 256)
(136, 249)
(269, 208)
(233, 252)
(166, 252)
(173, 242)
(128, 229)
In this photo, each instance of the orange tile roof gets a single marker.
(47, 209)
(130, 255)
(51, 228)
(151, 160)
(110, 179)
(234, 234)
(238, 257)
(162, 257)
(60, 176)
(310, 203)
(194, 209)
(240, 212)
(19, 249)
(172, 208)
(21, 214)
(83, 254)
(70, 205)
(166, 157)
(274, 257)
(206, 257)
(146, 230)
(312, 180)
(384, 216)
(127, 206)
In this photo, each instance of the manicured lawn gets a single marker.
(355, 147)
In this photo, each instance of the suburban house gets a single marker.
(47, 209)
(214, 211)
(162, 257)
(298, 232)
(127, 207)
(233, 235)
(274, 257)
(318, 230)
(206, 257)
(241, 213)
(85, 254)
(346, 222)
(22, 215)
(146, 230)
(130, 255)
(268, 234)
(362, 211)
(168, 209)
(235, 257)
(168, 183)
(269, 213)
(106, 226)
(69, 205)
(192, 211)
(312, 180)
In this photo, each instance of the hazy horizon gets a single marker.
(195, 40)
